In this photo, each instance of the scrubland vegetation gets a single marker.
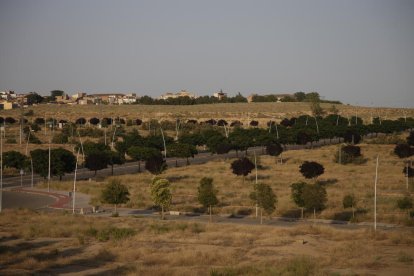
(56, 243)
(233, 194)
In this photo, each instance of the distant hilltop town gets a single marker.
(10, 99)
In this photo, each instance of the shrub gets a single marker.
(113, 233)
(60, 138)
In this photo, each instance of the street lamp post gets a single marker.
(48, 173)
(74, 184)
(1, 168)
(165, 147)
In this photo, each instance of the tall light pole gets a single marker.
(255, 166)
(375, 195)
(74, 184)
(31, 166)
(1, 168)
(28, 138)
(317, 127)
(113, 138)
(48, 173)
(165, 147)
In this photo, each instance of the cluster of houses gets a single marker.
(9, 99)
(85, 99)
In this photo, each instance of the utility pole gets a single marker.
(375, 195)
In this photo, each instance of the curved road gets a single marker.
(15, 200)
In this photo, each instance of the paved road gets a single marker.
(15, 200)
(244, 220)
(132, 167)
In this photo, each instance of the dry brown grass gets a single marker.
(237, 111)
(63, 243)
(233, 194)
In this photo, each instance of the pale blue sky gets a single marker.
(357, 51)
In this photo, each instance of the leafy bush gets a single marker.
(113, 233)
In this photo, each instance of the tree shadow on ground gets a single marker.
(78, 265)
(259, 177)
(347, 215)
(294, 213)
(119, 270)
(24, 246)
(329, 181)
(175, 178)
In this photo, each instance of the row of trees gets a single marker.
(308, 196)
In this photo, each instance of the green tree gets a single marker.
(312, 96)
(311, 169)
(410, 138)
(242, 167)
(180, 150)
(207, 195)
(61, 161)
(40, 161)
(300, 96)
(265, 198)
(403, 150)
(14, 159)
(115, 158)
(140, 153)
(314, 197)
(55, 93)
(297, 195)
(115, 193)
(274, 149)
(349, 201)
(161, 194)
(97, 161)
(90, 147)
(33, 98)
(156, 164)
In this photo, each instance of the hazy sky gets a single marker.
(357, 51)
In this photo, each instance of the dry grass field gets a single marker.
(237, 111)
(56, 243)
(233, 194)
